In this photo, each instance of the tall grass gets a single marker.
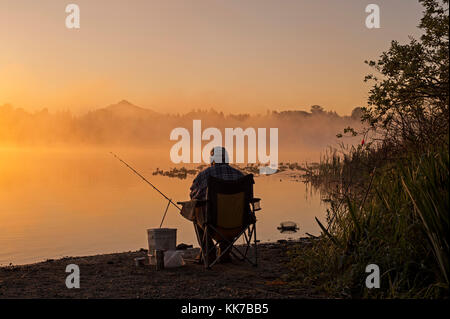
(396, 218)
(427, 186)
(389, 199)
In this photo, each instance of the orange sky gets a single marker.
(173, 56)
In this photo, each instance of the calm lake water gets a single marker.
(56, 203)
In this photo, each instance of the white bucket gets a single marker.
(161, 239)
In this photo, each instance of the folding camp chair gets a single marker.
(229, 214)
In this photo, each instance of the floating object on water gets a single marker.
(288, 227)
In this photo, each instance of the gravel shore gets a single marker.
(117, 276)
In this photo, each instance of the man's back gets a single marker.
(223, 171)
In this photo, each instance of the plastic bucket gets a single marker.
(161, 239)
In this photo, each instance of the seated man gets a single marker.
(221, 169)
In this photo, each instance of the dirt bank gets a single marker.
(116, 276)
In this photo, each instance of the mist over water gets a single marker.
(63, 194)
(68, 202)
(125, 124)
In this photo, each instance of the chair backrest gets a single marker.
(229, 202)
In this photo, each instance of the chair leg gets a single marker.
(206, 253)
(252, 232)
(199, 238)
(210, 247)
(248, 244)
(247, 239)
(256, 245)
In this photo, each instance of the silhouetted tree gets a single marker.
(317, 109)
(409, 103)
(357, 113)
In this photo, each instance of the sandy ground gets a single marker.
(117, 276)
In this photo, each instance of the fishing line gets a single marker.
(154, 187)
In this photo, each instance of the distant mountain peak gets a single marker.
(125, 102)
(125, 105)
(124, 108)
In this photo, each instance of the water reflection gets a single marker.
(288, 227)
(69, 202)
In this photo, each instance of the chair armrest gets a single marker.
(256, 203)
(199, 202)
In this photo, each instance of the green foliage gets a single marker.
(428, 188)
(389, 198)
(409, 102)
(407, 240)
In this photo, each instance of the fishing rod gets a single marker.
(145, 180)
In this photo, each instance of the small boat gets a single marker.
(288, 227)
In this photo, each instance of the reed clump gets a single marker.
(400, 222)
(389, 196)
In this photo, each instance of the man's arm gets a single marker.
(194, 188)
(199, 185)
